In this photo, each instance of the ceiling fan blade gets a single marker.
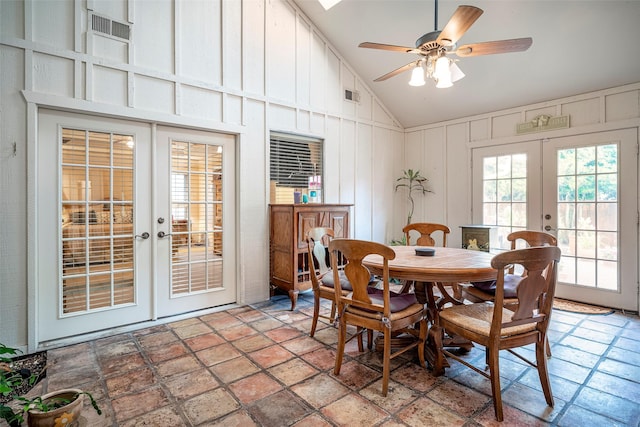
(498, 46)
(397, 71)
(388, 47)
(462, 19)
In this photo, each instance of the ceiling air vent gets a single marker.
(106, 26)
(351, 95)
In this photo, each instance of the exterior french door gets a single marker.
(92, 270)
(130, 227)
(584, 190)
(590, 193)
(194, 204)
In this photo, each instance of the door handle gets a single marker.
(549, 228)
(144, 235)
(162, 234)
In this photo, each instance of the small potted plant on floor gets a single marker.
(55, 409)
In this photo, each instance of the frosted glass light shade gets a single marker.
(417, 77)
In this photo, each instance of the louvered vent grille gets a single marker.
(120, 30)
(103, 25)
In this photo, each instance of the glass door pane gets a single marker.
(97, 208)
(196, 217)
(590, 201)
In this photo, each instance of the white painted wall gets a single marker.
(244, 67)
(442, 151)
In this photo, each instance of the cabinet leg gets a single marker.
(293, 296)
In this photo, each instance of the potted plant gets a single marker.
(58, 408)
(412, 181)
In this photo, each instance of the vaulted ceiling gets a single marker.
(578, 46)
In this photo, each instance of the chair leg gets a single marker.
(548, 347)
(360, 332)
(369, 339)
(494, 373)
(342, 338)
(386, 361)
(316, 313)
(333, 312)
(543, 373)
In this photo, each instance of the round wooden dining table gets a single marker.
(446, 266)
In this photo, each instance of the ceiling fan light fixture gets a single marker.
(417, 76)
(442, 69)
(456, 72)
(444, 83)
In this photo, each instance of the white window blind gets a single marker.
(294, 162)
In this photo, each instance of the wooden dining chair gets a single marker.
(428, 232)
(498, 327)
(485, 291)
(374, 308)
(322, 283)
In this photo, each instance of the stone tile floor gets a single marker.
(257, 366)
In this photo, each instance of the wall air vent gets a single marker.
(106, 26)
(351, 95)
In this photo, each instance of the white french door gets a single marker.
(194, 204)
(590, 202)
(92, 272)
(129, 223)
(584, 190)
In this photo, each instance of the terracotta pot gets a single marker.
(66, 415)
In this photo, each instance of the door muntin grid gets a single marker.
(196, 218)
(504, 198)
(587, 212)
(96, 211)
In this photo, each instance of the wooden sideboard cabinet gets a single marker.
(288, 253)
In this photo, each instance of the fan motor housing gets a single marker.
(428, 41)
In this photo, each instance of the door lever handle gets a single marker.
(162, 234)
(144, 235)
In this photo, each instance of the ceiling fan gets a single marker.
(433, 48)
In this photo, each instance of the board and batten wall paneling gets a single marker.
(154, 35)
(13, 203)
(363, 171)
(50, 21)
(388, 156)
(303, 62)
(200, 102)
(458, 177)
(281, 61)
(53, 75)
(317, 73)
(622, 106)
(253, 218)
(332, 84)
(231, 44)
(331, 163)
(199, 26)
(253, 49)
(346, 157)
(365, 106)
(112, 88)
(436, 167)
(584, 112)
